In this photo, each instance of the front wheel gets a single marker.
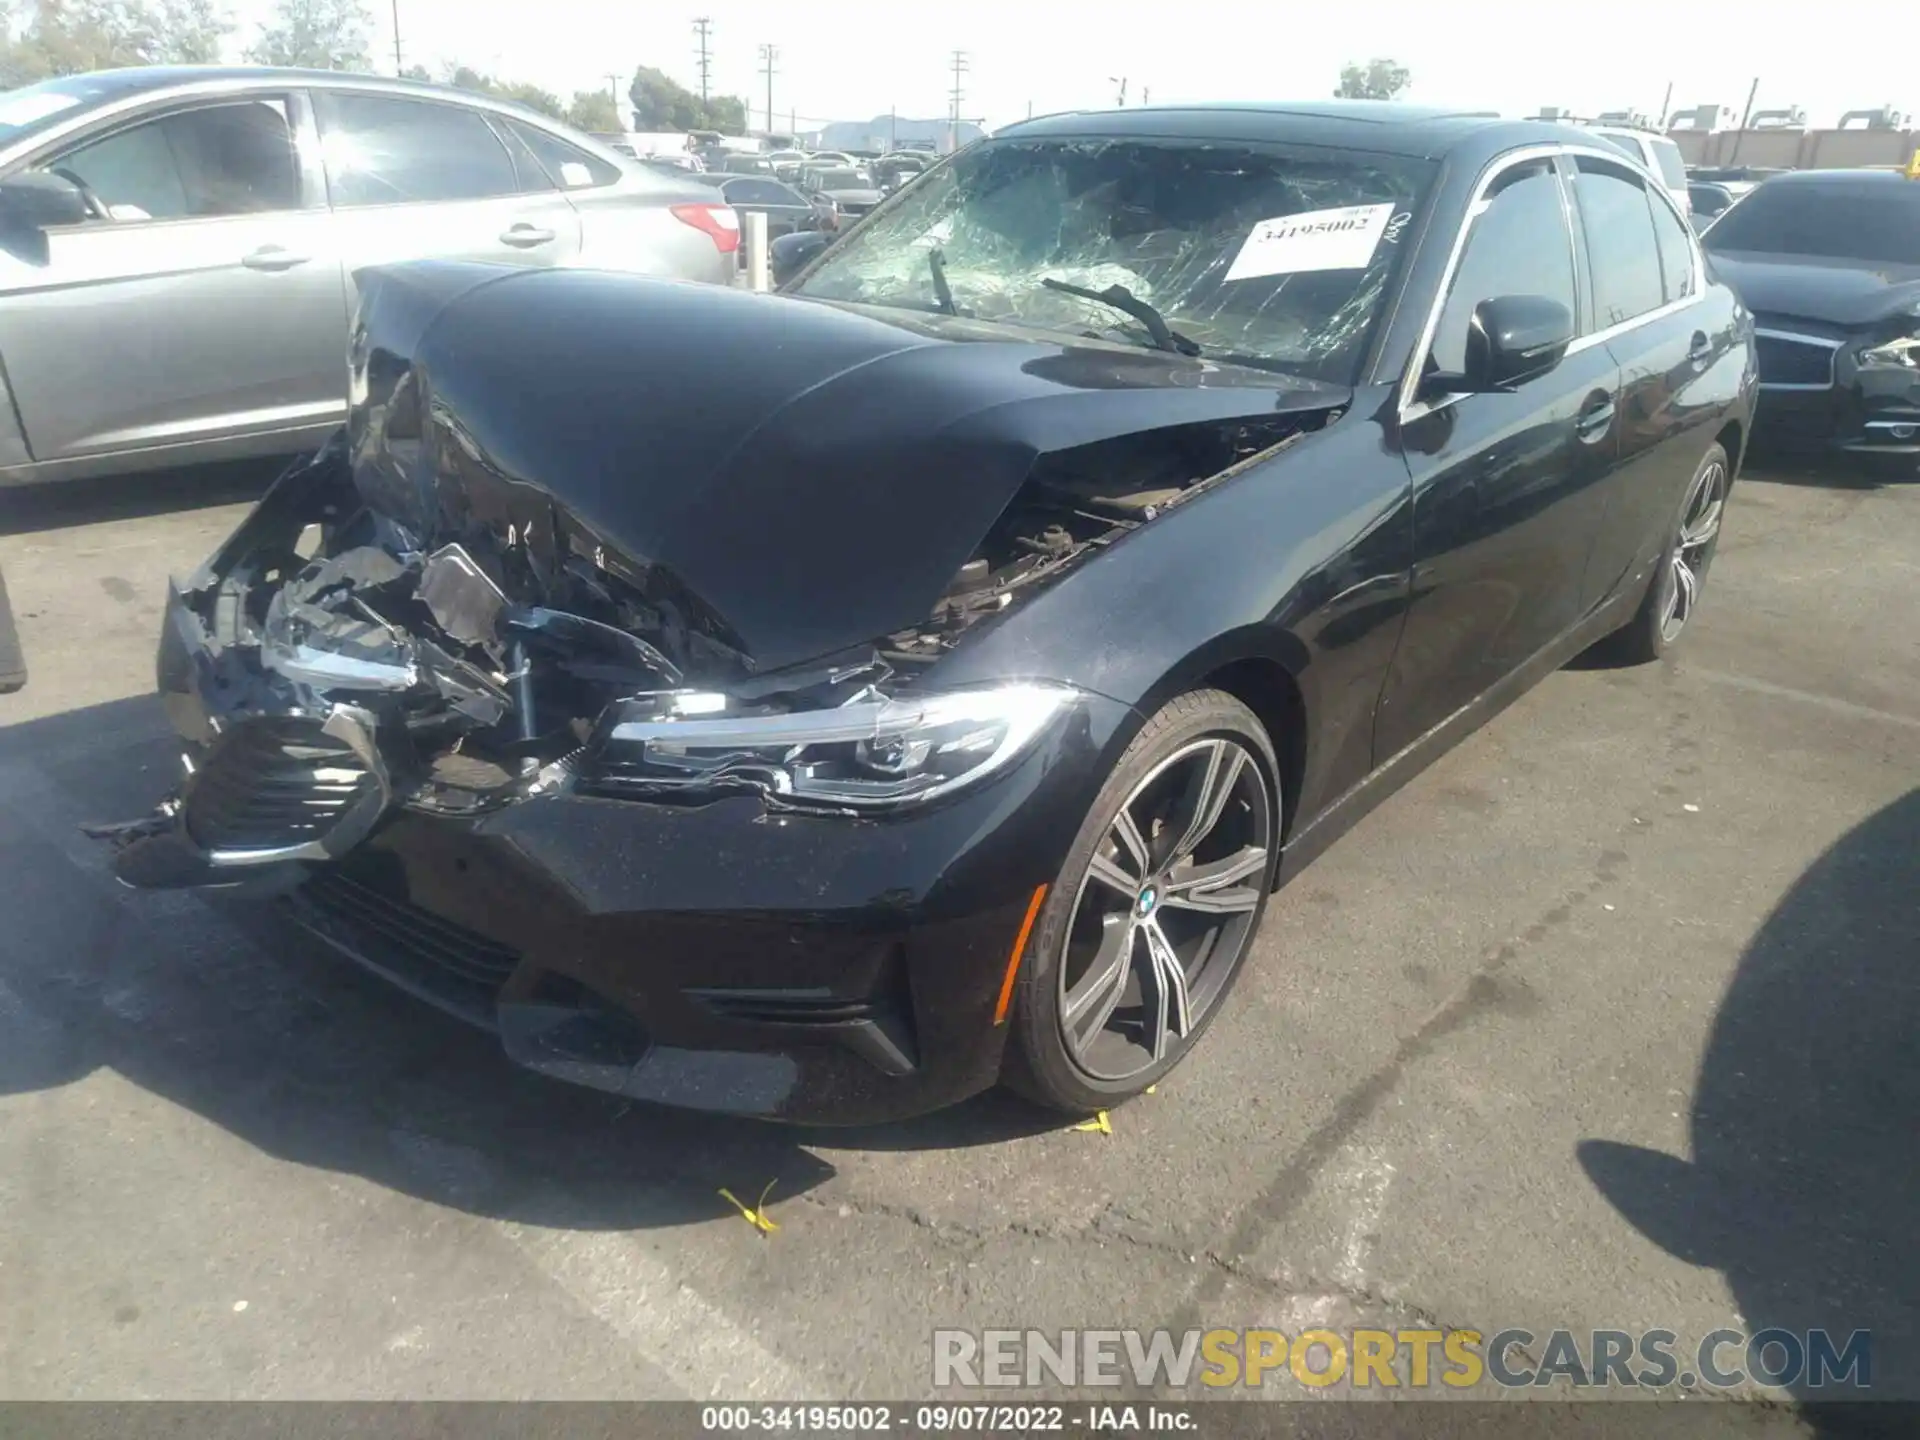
(1151, 918)
(1673, 594)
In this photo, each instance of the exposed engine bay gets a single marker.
(487, 663)
(1076, 503)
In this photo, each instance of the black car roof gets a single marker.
(1387, 127)
(1849, 179)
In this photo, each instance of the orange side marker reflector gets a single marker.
(1019, 949)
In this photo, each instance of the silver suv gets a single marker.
(1655, 151)
(178, 246)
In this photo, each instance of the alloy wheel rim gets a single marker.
(1693, 549)
(1165, 909)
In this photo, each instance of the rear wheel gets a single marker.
(1673, 594)
(1150, 920)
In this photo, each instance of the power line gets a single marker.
(703, 27)
(958, 93)
(769, 54)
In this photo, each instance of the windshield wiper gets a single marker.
(942, 292)
(1125, 301)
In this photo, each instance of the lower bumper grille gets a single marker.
(1791, 360)
(274, 784)
(392, 928)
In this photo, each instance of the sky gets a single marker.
(852, 59)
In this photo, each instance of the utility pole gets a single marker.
(398, 68)
(1121, 81)
(960, 68)
(893, 128)
(703, 27)
(1146, 95)
(613, 84)
(769, 54)
(1665, 105)
(1745, 116)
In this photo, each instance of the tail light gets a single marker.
(717, 222)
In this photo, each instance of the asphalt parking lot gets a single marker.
(1607, 1020)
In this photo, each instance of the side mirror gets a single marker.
(39, 200)
(1511, 339)
(792, 253)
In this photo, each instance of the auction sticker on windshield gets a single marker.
(1342, 239)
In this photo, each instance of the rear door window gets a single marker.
(1518, 245)
(1676, 252)
(1622, 251)
(381, 151)
(571, 167)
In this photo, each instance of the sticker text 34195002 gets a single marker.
(1342, 239)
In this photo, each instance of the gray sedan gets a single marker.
(178, 247)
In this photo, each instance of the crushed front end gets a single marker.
(609, 714)
(441, 774)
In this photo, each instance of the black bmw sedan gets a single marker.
(826, 705)
(1829, 263)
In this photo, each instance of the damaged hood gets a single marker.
(1847, 293)
(807, 477)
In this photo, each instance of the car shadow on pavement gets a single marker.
(1826, 472)
(229, 1010)
(1804, 1187)
(27, 510)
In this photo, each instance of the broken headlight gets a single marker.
(1900, 354)
(871, 752)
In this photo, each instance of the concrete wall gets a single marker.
(1797, 149)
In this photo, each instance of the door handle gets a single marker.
(524, 236)
(1596, 416)
(273, 257)
(1700, 350)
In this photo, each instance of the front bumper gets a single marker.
(1838, 406)
(722, 956)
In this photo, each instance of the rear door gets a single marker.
(207, 307)
(1646, 284)
(414, 179)
(1507, 487)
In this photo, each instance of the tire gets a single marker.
(1199, 909)
(1671, 600)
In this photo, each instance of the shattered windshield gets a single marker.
(1272, 256)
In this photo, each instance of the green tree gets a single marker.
(594, 110)
(193, 32)
(315, 35)
(1375, 80)
(662, 103)
(39, 38)
(533, 97)
(416, 72)
(464, 77)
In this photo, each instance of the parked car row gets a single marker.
(179, 247)
(1829, 263)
